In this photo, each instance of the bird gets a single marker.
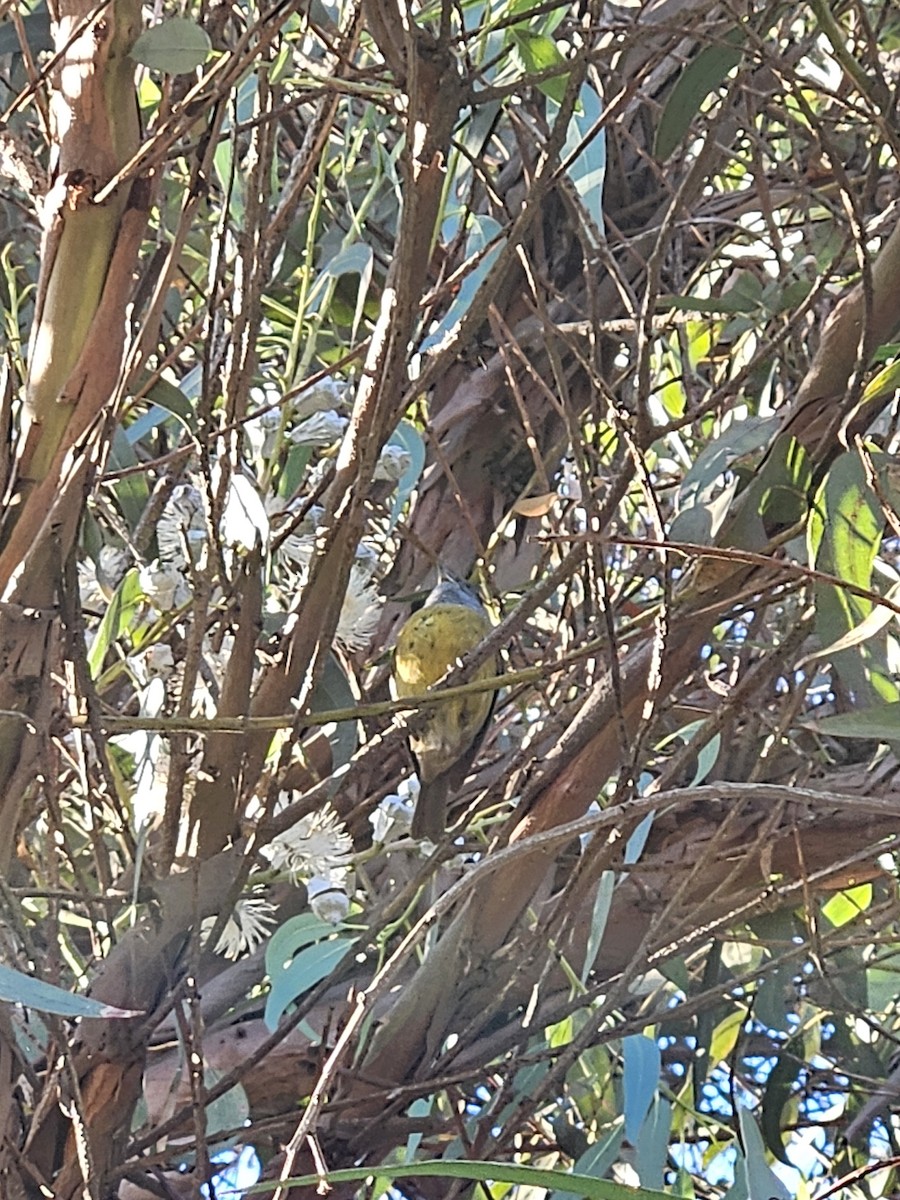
(450, 624)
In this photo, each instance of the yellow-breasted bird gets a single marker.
(451, 622)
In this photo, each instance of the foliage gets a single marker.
(593, 304)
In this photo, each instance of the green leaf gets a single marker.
(599, 917)
(176, 46)
(333, 691)
(846, 906)
(155, 416)
(640, 1079)
(294, 469)
(881, 722)
(485, 1172)
(597, 1159)
(652, 1145)
(844, 537)
(878, 618)
(304, 951)
(166, 395)
(780, 487)
(543, 18)
(773, 500)
(18, 988)
(634, 847)
(761, 1179)
(851, 524)
(701, 521)
(354, 259)
(292, 936)
(883, 983)
(728, 303)
(36, 26)
(131, 488)
(118, 617)
(883, 382)
(740, 441)
(537, 52)
(725, 1037)
(773, 1006)
(230, 1111)
(701, 76)
(483, 232)
(779, 1089)
(410, 439)
(587, 170)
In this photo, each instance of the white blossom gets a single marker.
(327, 393)
(159, 659)
(245, 929)
(393, 462)
(298, 549)
(164, 585)
(182, 523)
(245, 523)
(318, 844)
(261, 432)
(359, 612)
(151, 759)
(321, 429)
(98, 581)
(367, 558)
(569, 487)
(393, 816)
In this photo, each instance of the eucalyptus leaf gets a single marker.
(702, 75)
(37, 33)
(120, 616)
(333, 692)
(844, 538)
(599, 918)
(780, 1085)
(578, 1185)
(175, 46)
(652, 1146)
(762, 1182)
(18, 988)
(640, 1079)
(301, 953)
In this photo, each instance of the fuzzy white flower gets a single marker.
(245, 523)
(261, 432)
(245, 929)
(151, 758)
(393, 816)
(89, 589)
(366, 558)
(159, 660)
(182, 523)
(321, 429)
(327, 393)
(569, 486)
(98, 581)
(360, 610)
(300, 543)
(164, 585)
(318, 844)
(297, 548)
(394, 461)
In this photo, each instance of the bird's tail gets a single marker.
(430, 818)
